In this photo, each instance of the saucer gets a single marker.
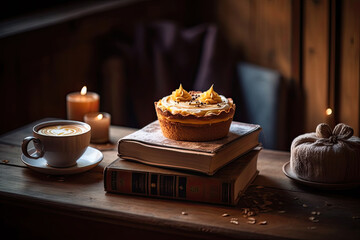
(324, 186)
(91, 158)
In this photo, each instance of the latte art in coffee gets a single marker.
(63, 130)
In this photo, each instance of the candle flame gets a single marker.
(328, 111)
(83, 90)
(100, 116)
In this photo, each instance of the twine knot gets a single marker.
(341, 132)
(333, 139)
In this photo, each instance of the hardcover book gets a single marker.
(149, 146)
(224, 187)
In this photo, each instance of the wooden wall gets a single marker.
(266, 33)
(313, 44)
(348, 91)
(331, 62)
(39, 67)
(260, 31)
(315, 61)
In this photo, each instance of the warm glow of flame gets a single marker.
(328, 111)
(100, 116)
(83, 90)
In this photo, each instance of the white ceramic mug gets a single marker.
(60, 142)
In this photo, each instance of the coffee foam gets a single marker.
(63, 130)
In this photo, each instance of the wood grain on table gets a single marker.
(285, 208)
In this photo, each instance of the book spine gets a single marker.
(192, 188)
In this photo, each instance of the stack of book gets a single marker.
(214, 172)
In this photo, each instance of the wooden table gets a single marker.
(38, 205)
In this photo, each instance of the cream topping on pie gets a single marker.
(206, 104)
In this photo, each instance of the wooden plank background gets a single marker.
(349, 92)
(39, 67)
(260, 31)
(315, 62)
(292, 37)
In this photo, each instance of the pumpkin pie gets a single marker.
(195, 115)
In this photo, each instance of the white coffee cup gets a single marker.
(60, 142)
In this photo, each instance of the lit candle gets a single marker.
(99, 123)
(78, 104)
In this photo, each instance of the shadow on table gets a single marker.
(93, 176)
(345, 191)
